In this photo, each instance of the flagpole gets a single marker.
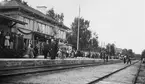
(78, 30)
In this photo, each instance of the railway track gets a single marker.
(110, 74)
(137, 74)
(140, 76)
(31, 70)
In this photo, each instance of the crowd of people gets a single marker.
(13, 45)
(6, 40)
(49, 49)
(10, 42)
(126, 59)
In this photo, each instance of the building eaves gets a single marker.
(12, 19)
(16, 4)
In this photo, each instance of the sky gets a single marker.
(121, 22)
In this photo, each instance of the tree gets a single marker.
(61, 18)
(108, 47)
(143, 54)
(130, 52)
(55, 16)
(84, 33)
(51, 13)
(124, 51)
(112, 47)
(93, 44)
(25, 3)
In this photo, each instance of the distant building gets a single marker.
(42, 9)
(118, 50)
(39, 27)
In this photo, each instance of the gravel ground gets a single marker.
(81, 75)
(42, 58)
(141, 78)
(125, 76)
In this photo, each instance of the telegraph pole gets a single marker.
(78, 30)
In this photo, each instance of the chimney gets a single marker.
(42, 9)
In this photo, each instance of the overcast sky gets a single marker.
(115, 21)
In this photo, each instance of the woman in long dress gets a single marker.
(7, 38)
(30, 51)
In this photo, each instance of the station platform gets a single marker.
(82, 75)
(40, 61)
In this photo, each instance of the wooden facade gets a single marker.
(37, 22)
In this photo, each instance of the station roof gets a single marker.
(11, 19)
(18, 4)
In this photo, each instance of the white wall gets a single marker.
(35, 25)
(42, 27)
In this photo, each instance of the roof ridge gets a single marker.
(31, 9)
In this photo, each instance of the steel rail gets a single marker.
(137, 74)
(46, 69)
(110, 74)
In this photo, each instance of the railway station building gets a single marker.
(38, 27)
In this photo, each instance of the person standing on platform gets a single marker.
(128, 59)
(106, 57)
(101, 55)
(7, 42)
(30, 51)
(59, 53)
(12, 41)
(46, 49)
(63, 53)
(2, 37)
(53, 49)
(56, 48)
(124, 59)
(36, 51)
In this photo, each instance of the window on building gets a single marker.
(31, 24)
(49, 30)
(24, 19)
(21, 19)
(43, 28)
(39, 27)
(27, 25)
(35, 26)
